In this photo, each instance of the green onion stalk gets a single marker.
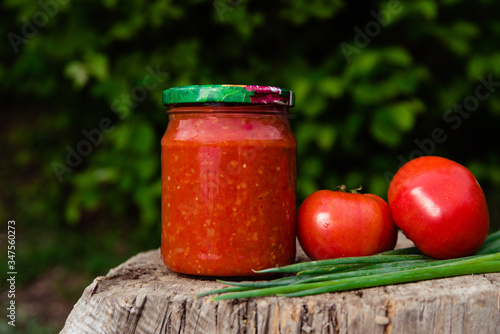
(393, 267)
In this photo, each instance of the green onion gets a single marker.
(392, 267)
(329, 270)
(405, 276)
(240, 288)
(344, 260)
(482, 264)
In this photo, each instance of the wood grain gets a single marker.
(142, 296)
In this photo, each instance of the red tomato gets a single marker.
(332, 224)
(439, 205)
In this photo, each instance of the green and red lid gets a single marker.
(229, 94)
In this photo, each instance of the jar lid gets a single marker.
(229, 94)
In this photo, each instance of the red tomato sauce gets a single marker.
(228, 190)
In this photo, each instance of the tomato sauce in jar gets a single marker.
(228, 180)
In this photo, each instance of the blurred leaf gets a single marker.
(362, 65)
(72, 211)
(398, 83)
(97, 64)
(306, 186)
(147, 199)
(302, 86)
(94, 65)
(378, 185)
(162, 11)
(465, 29)
(383, 130)
(143, 138)
(331, 87)
(146, 167)
(236, 14)
(122, 136)
(78, 72)
(126, 29)
(304, 134)
(426, 8)
(110, 4)
(483, 64)
(312, 166)
(393, 120)
(299, 11)
(396, 56)
(326, 137)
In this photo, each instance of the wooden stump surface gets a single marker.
(142, 296)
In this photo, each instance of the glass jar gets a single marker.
(228, 180)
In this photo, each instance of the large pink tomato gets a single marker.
(439, 205)
(333, 224)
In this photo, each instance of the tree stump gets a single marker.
(143, 296)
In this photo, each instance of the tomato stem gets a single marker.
(355, 191)
(343, 189)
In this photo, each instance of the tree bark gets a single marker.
(142, 296)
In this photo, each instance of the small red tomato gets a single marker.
(439, 205)
(333, 224)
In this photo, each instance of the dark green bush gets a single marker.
(373, 81)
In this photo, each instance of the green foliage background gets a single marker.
(357, 117)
